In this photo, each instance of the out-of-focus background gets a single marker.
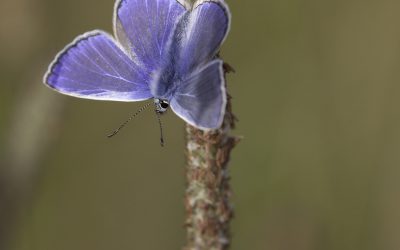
(317, 92)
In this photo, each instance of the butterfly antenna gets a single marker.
(127, 121)
(161, 129)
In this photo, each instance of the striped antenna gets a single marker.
(161, 128)
(127, 121)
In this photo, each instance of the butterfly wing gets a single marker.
(196, 39)
(200, 99)
(94, 67)
(201, 34)
(144, 27)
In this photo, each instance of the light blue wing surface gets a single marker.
(200, 99)
(144, 27)
(196, 40)
(94, 67)
(203, 32)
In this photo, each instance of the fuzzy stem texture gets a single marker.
(208, 192)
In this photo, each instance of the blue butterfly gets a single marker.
(164, 49)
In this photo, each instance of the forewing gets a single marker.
(145, 26)
(202, 33)
(201, 99)
(94, 67)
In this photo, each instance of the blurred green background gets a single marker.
(317, 94)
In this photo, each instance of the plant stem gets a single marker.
(208, 192)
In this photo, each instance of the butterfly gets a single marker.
(165, 50)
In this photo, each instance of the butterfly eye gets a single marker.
(164, 104)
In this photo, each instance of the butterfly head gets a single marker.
(161, 105)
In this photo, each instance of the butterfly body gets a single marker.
(163, 49)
